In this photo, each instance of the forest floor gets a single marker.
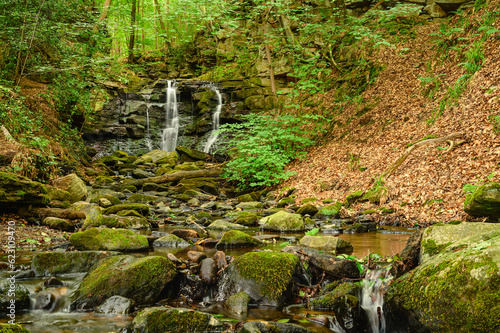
(429, 185)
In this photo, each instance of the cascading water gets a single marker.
(147, 97)
(372, 298)
(171, 130)
(215, 123)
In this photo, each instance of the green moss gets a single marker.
(272, 269)
(308, 200)
(236, 238)
(141, 198)
(108, 239)
(114, 200)
(246, 218)
(201, 215)
(140, 208)
(343, 295)
(12, 328)
(352, 197)
(331, 210)
(430, 247)
(368, 211)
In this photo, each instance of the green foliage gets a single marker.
(265, 144)
(312, 232)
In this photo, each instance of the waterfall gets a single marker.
(372, 298)
(169, 133)
(215, 123)
(147, 97)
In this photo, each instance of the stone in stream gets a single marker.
(327, 243)
(12, 328)
(485, 201)
(74, 186)
(128, 219)
(236, 238)
(267, 277)
(116, 305)
(139, 207)
(220, 259)
(264, 326)
(141, 198)
(44, 300)
(246, 218)
(208, 270)
(179, 320)
(158, 157)
(283, 221)
(104, 239)
(237, 303)
(196, 256)
(308, 210)
(250, 205)
(190, 155)
(53, 282)
(455, 287)
(331, 211)
(224, 225)
(8, 287)
(140, 279)
(170, 241)
(185, 234)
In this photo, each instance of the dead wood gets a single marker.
(176, 176)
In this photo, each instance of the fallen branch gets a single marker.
(176, 176)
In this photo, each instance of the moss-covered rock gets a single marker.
(485, 201)
(283, 221)
(138, 207)
(353, 197)
(236, 238)
(168, 159)
(267, 277)
(54, 263)
(141, 198)
(74, 186)
(456, 288)
(237, 303)
(327, 243)
(170, 241)
(376, 193)
(224, 225)
(272, 327)
(104, 239)
(113, 199)
(246, 218)
(330, 211)
(179, 320)
(12, 328)
(15, 189)
(11, 290)
(250, 205)
(103, 180)
(245, 198)
(308, 209)
(140, 279)
(190, 155)
(58, 224)
(186, 167)
(128, 219)
(286, 201)
(204, 184)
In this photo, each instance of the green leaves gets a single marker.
(312, 232)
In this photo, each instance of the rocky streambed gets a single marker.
(160, 243)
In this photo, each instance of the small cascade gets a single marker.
(372, 298)
(215, 123)
(147, 97)
(171, 130)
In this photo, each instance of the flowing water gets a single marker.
(215, 122)
(147, 97)
(372, 298)
(171, 130)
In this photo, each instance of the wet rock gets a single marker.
(207, 185)
(220, 259)
(17, 189)
(12, 328)
(138, 207)
(185, 234)
(164, 211)
(237, 303)
(130, 219)
(224, 225)
(409, 256)
(286, 201)
(485, 201)
(170, 241)
(190, 155)
(208, 270)
(245, 198)
(141, 198)
(58, 224)
(272, 327)
(140, 279)
(236, 238)
(111, 195)
(249, 205)
(455, 285)
(267, 277)
(74, 186)
(21, 296)
(363, 227)
(104, 239)
(335, 267)
(44, 300)
(159, 157)
(173, 258)
(53, 282)
(331, 211)
(196, 256)
(54, 263)
(105, 203)
(179, 320)
(221, 206)
(353, 197)
(283, 221)
(116, 305)
(308, 210)
(246, 218)
(327, 243)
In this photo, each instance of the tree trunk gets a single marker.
(131, 41)
(163, 27)
(173, 177)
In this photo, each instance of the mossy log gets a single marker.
(176, 176)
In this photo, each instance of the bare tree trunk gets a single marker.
(162, 25)
(132, 32)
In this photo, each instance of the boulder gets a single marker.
(327, 243)
(54, 263)
(267, 277)
(116, 305)
(74, 186)
(485, 201)
(237, 303)
(12, 328)
(159, 157)
(190, 155)
(268, 327)
(250, 205)
(58, 224)
(140, 279)
(130, 220)
(208, 270)
(11, 290)
(246, 218)
(170, 241)
(308, 210)
(283, 221)
(16, 189)
(140, 208)
(236, 238)
(455, 288)
(224, 225)
(204, 184)
(178, 320)
(330, 211)
(104, 239)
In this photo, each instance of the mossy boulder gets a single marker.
(246, 218)
(170, 241)
(104, 239)
(283, 221)
(190, 155)
(114, 200)
(330, 211)
(207, 185)
(224, 225)
(127, 219)
(54, 263)
(286, 201)
(353, 197)
(327, 243)
(103, 180)
(138, 207)
(376, 193)
(245, 198)
(15, 189)
(21, 296)
(453, 290)
(237, 303)
(186, 167)
(141, 198)
(74, 186)
(236, 238)
(485, 201)
(97, 193)
(250, 205)
(12, 328)
(159, 157)
(58, 224)
(267, 277)
(140, 279)
(179, 320)
(308, 209)
(273, 326)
